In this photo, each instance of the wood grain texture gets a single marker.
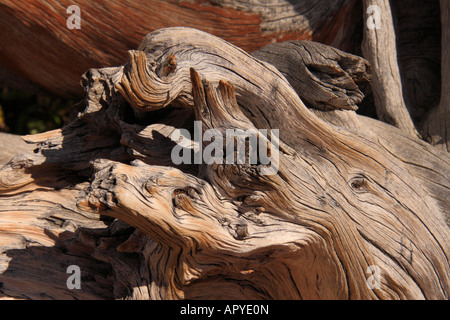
(379, 48)
(346, 195)
(37, 45)
(289, 59)
(12, 145)
(323, 77)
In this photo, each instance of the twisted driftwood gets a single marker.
(408, 49)
(103, 193)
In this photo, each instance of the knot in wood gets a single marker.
(150, 184)
(359, 184)
(241, 231)
(168, 66)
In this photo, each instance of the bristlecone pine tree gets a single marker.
(357, 208)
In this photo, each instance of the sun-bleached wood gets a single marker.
(379, 48)
(11, 145)
(324, 77)
(346, 195)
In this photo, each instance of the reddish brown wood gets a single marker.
(37, 45)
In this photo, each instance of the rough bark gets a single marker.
(346, 195)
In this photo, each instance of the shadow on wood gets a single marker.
(348, 193)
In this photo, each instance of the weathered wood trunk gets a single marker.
(348, 207)
(41, 53)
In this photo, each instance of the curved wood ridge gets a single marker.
(343, 197)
